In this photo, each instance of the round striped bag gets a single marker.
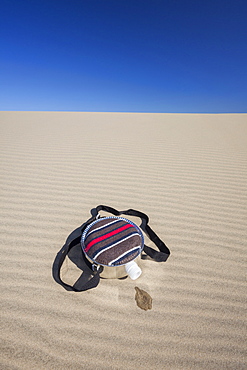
(111, 247)
(113, 242)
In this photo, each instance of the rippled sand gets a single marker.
(189, 174)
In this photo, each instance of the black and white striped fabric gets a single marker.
(112, 241)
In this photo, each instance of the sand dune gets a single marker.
(189, 174)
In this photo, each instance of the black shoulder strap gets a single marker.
(159, 256)
(61, 255)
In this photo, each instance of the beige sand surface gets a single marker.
(189, 174)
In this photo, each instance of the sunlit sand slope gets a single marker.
(189, 174)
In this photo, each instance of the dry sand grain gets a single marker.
(189, 174)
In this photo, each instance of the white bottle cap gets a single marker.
(133, 270)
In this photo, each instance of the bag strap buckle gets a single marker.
(97, 268)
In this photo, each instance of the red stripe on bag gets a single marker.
(103, 237)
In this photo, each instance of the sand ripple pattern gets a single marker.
(189, 174)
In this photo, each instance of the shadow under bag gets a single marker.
(108, 248)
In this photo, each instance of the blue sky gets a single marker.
(171, 56)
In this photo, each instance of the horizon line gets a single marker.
(122, 112)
